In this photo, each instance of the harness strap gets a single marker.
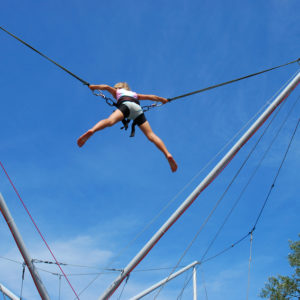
(125, 123)
(132, 129)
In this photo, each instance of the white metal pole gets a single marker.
(195, 282)
(204, 184)
(8, 293)
(162, 282)
(21, 245)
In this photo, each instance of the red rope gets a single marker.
(38, 229)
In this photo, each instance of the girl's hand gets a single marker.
(163, 100)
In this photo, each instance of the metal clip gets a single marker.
(108, 100)
(98, 93)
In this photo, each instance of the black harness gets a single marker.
(126, 112)
(137, 121)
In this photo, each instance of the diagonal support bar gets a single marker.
(8, 293)
(162, 282)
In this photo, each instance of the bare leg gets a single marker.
(146, 129)
(114, 118)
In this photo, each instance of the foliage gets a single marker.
(285, 287)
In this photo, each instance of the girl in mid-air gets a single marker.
(129, 107)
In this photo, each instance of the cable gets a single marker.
(38, 230)
(22, 282)
(170, 99)
(125, 283)
(11, 260)
(185, 283)
(250, 179)
(233, 80)
(252, 175)
(217, 204)
(59, 286)
(264, 204)
(250, 258)
(43, 55)
(277, 174)
(204, 282)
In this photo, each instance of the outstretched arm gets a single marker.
(153, 98)
(104, 87)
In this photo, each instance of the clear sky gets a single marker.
(89, 203)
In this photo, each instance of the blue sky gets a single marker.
(90, 203)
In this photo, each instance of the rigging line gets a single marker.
(190, 278)
(59, 286)
(248, 182)
(11, 260)
(204, 281)
(4, 297)
(233, 80)
(78, 266)
(251, 232)
(226, 249)
(125, 283)
(35, 225)
(221, 252)
(256, 169)
(22, 282)
(276, 176)
(46, 57)
(227, 217)
(267, 150)
(185, 284)
(216, 205)
(250, 258)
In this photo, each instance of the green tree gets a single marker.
(285, 287)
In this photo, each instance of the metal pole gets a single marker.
(195, 282)
(8, 293)
(162, 282)
(20, 243)
(204, 184)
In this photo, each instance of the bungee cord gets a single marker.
(46, 57)
(111, 102)
(233, 80)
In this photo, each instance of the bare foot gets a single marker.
(172, 163)
(81, 141)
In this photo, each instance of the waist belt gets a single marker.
(127, 98)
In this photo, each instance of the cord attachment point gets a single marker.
(108, 100)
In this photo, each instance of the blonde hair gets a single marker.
(122, 85)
